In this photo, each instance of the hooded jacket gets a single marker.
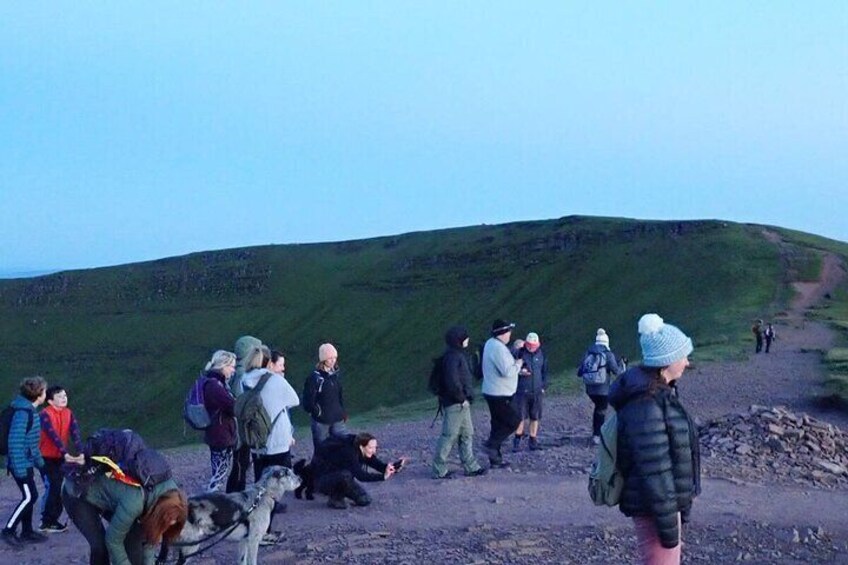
(456, 373)
(322, 396)
(277, 397)
(658, 453)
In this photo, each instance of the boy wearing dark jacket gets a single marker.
(24, 456)
(455, 397)
(58, 429)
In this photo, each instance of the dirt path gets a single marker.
(538, 511)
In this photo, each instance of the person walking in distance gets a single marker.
(500, 381)
(455, 396)
(657, 452)
(757, 330)
(532, 380)
(597, 370)
(769, 335)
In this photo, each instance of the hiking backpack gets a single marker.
(6, 426)
(194, 409)
(605, 480)
(437, 374)
(593, 368)
(108, 449)
(254, 423)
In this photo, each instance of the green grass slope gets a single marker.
(127, 341)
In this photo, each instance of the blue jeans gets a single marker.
(321, 431)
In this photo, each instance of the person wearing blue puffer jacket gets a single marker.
(24, 457)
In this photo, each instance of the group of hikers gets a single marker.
(248, 400)
(763, 332)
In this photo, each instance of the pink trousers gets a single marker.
(651, 550)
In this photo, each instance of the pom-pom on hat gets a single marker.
(601, 337)
(326, 351)
(662, 344)
(501, 327)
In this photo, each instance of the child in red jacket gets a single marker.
(58, 427)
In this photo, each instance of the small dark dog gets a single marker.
(307, 480)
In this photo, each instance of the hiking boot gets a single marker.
(338, 503)
(516, 443)
(32, 537)
(478, 473)
(448, 475)
(271, 538)
(534, 445)
(10, 538)
(53, 528)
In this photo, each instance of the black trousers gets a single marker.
(262, 462)
(601, 402)
(340, 484)
(88, 520)
(238, 475)
(505, 419)
(52, 476)
(22, 514)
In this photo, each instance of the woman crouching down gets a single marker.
(133, 530)
(658, 453)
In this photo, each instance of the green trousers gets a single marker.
(456, 427)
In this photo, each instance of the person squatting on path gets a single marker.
(757, 330)
(241, 457)
(322, 397)
(599, 393)
(658, 452)
(532, 381)
(220, 436)
(500, 380)
(24, 455)
(58, 429)
(137, 521)
(455, 397)
(340, 461)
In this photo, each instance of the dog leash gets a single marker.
(162, 558)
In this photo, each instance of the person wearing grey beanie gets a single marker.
(658, 452)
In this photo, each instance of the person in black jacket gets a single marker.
(658, 453)
(322, 397)
(455, 396)
(340, 461)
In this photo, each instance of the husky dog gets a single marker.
(245, 515)
(307, 480)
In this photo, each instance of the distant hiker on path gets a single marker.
(220, 436)
(58, 429)
(456, 393)
(757, 330)
(341, 461)
(658, 452)
(241, 457)
(322, 397)
(500, 381)
(532, 381)
(24, 456)
(598, 368)
(769, 335)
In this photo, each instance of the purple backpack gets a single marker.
(194, 409)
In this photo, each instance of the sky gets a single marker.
(132, 131)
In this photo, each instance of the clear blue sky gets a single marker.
(132, 131)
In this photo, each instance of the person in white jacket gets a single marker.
(500, 380)
(278, 397)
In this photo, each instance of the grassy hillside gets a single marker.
(128, 340)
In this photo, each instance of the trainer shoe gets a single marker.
(54, 528)
(32, 537)
(10, 538)
(534, 445)
(448, 475)
(478, 473)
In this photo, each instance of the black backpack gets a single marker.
(437, 373)
(128, 451)
(6, 426)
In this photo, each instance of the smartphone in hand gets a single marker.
(398, 465)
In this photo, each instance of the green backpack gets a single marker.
(254, 423)
(605, 480)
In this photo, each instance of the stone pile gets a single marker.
(775, 445)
